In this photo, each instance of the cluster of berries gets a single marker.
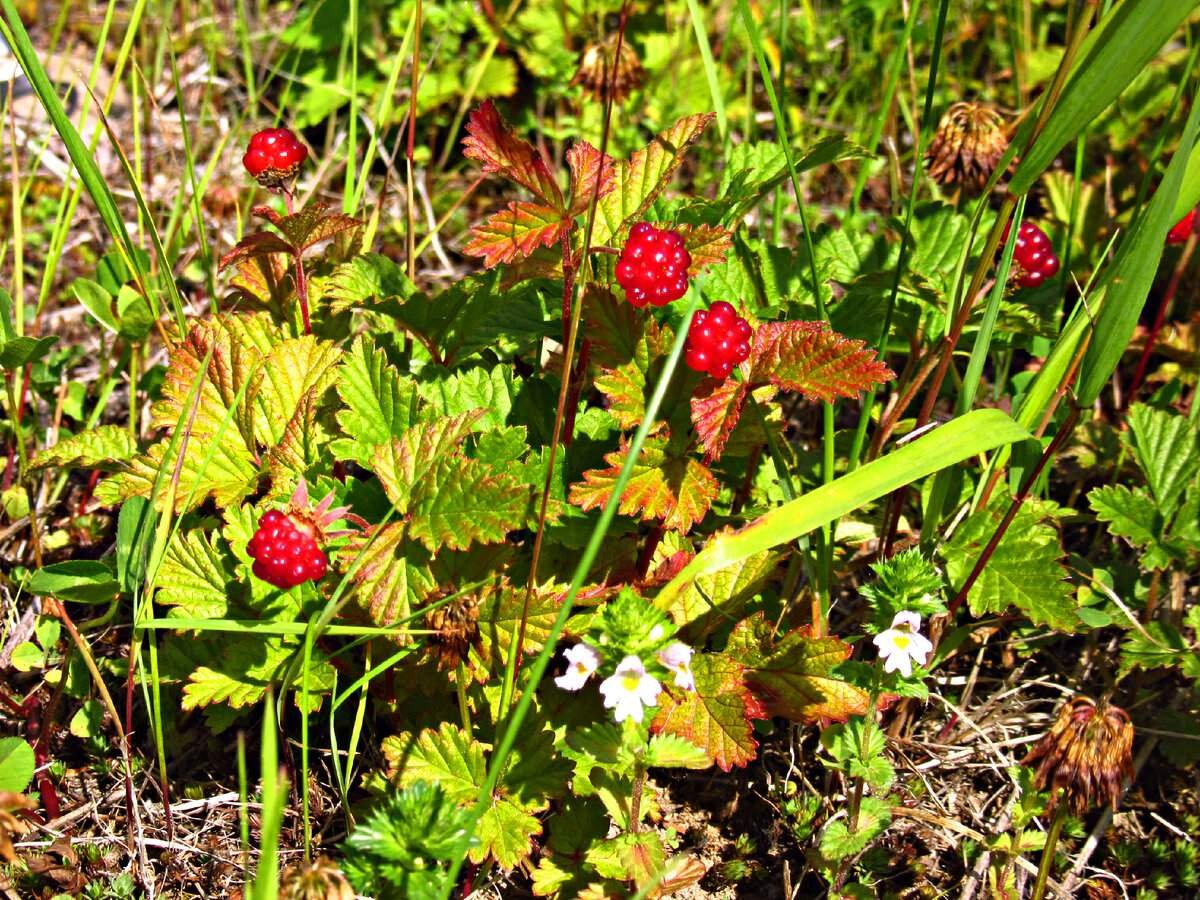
(1034, 257)
(285, 555)
(653, 268)
(274, 157)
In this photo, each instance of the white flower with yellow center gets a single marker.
(582, 661)
(629, 689)
(676, 657)
(903, 644)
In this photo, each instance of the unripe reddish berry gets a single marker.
(717, 340)
(1182, 229)
(653, 267)
(1034, 259)
(274, 157)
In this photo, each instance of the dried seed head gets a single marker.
(596, 69)
(456, 627)
(320, 879)
(1087, 754)
(970, 140)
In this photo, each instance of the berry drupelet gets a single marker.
(274, 156)
(653, 267)
(1034, 259)
(1182, 229)
(285, 555)
(717, 340)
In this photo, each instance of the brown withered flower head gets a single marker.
(970, 139)
(455, 627)
(320, 879)
(596, 69)
(1085, 756)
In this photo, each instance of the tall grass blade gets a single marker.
(1126, 283)
(1113, 55)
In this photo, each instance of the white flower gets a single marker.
(629, 689)
(582, 661)
(677, 658)
(903, 644)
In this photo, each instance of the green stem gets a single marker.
(1043, 875)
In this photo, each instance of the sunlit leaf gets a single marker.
(716, 716)
(491, 142)
(643, 176)
(516, 231)
(667, 487)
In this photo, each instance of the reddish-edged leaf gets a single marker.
(392, 577)
(263, 279)
(674, 489)
(791, 674)
(516, 232)
(716, 716)
(717, 408)
(810, 358)
(708, 245)
(258, 243)
(592, 175)
(643, 176)
(502, 153)
(313, 224)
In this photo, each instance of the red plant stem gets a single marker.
(653, 539)
(577, 379)
(1048, 454)
(1152, 338)
(301, 281)
(88, 489)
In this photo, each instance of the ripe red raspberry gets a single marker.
(1034, 259)
(274, 156)
(653, 267)
(717, 340)
(1182, 229)
(283, 554)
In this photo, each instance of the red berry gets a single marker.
(1034, 259)
(1182, 229)
(285, 555)
(274, 156)
(653, 267)
(717, 340)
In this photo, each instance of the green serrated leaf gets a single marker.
(1025, 571)
(16, 765)
(839, 842)
(392, 577)
(1167, 451)
(102, 448)
(194, 577)
(668, 751)
(1133, 515)
(380, 403)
